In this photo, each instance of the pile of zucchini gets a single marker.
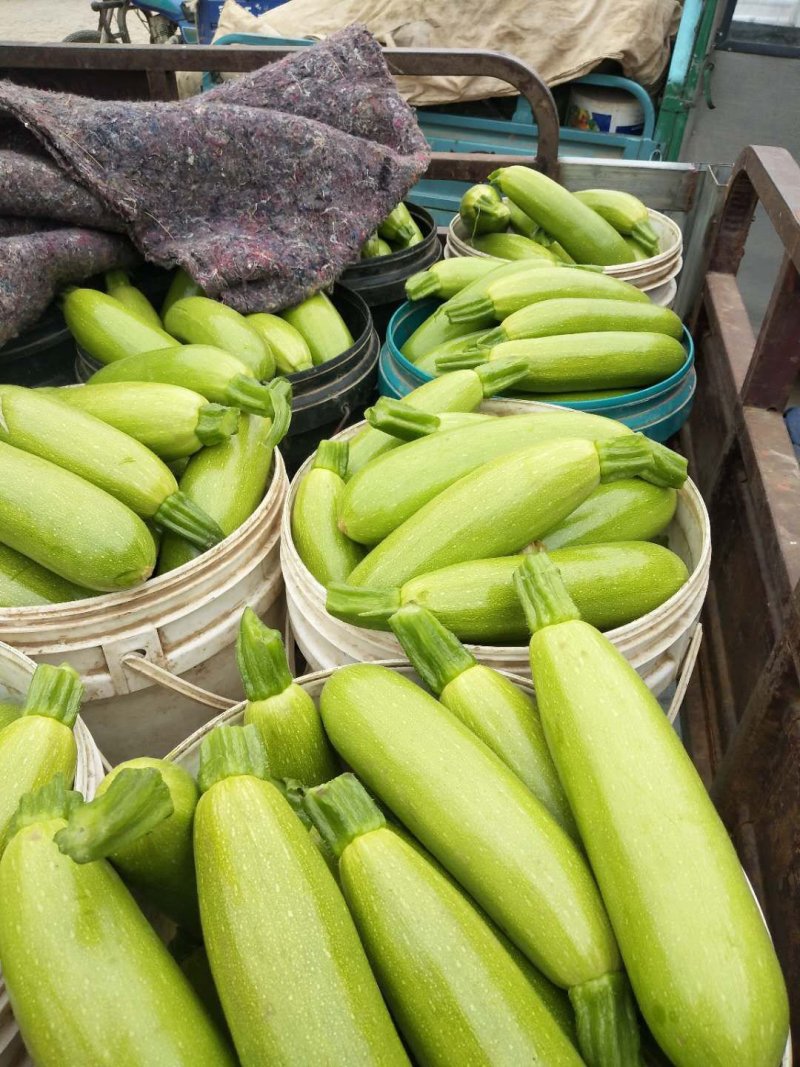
(523, 214)
(583, 336)
(491, 882)
(397, 231)
(433, 503)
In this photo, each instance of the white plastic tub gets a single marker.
(182, 624)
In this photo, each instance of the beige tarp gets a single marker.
(561, 39)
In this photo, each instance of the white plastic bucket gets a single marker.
(655, 644)
(15, 675)
(182, 623)
(599, 109)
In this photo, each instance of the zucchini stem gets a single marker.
(500, 374)
(372, 608)
(434, 652)
(261, 658)
(465, 360)
(470, 310)
(50, 801)
(115, 279)
(608, 1031)
(137, 800)
(229, 751)
(54, 692)
(624, 457)
(399, 420)
(669, 470)
(421, 285)
(181, 515)
(332, 456)
(216, 423)
(542, 593)
(281, 411)
(249, 395)
(342, 810)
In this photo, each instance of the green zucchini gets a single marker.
(495, 710)
(456, 994)
(227, 481)
(487, 830)
(141, 820)
(69, 526)
(197, 320)
(24, 583)
(88, 978)
(568, 362)
(396, 418)
(483, 211)
(584, 234)
(181, 286)
(8, 713)
(638, 251)
(171, 421)
(504, 296)
(696, 949)
(108, 330)
(284, 714)
(449, 276)
(613, 584)
(327, 552)
(467, 343)
(287, 962)
(104, 456)
(511, 246)
(375, 248)
(453, 392)
(522, 223)
(584, 315)
(501, 506)
(399, 227)
(321, 327)
(626, 214)
(216, 375)
(394, 486)
(40, 743)
(118, 285)
(627, 510)
(287, 344)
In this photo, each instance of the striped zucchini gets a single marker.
(141, 820)
(197, 320)
(118, 285)
(321, 326)
(108, 330)
(69, 526)
(284, 714)
(24, 583)
(287, 344)
(449, 276)
(626, 214)
(511, 246)
(695, 947)
(227, 481)
(501, 506)
(584, 234)
(88, 978)
(104, 456)
(291, 974)
(569, 362)
(488, 831)
(169, 420)
(399, 227)
(216, 375)
(181, 286)
(627, 510)
(495, 710)
(457, 995)
(327, 552)
(504, 296)
(612, 584)
(40, 743)
(453, 392)
(584, 315)
(394, 486)
(483, 211)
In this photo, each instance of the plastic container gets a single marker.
(41, 356)
(181, 624)
(15, 675)
(658, 410)
(381, 282)
(655, 644)
(645, 274)
(208, 13)
(598, 109)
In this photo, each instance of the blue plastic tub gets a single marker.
(208, 12)
(658, 411)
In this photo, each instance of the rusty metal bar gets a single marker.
(776, 357)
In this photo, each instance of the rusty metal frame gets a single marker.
(742, 714)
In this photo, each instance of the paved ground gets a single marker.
(51, 20)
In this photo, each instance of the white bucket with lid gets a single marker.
(180, 624)
(601, 109)
(656, 644)
(15, 676)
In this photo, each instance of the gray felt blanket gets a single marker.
(263, 189)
